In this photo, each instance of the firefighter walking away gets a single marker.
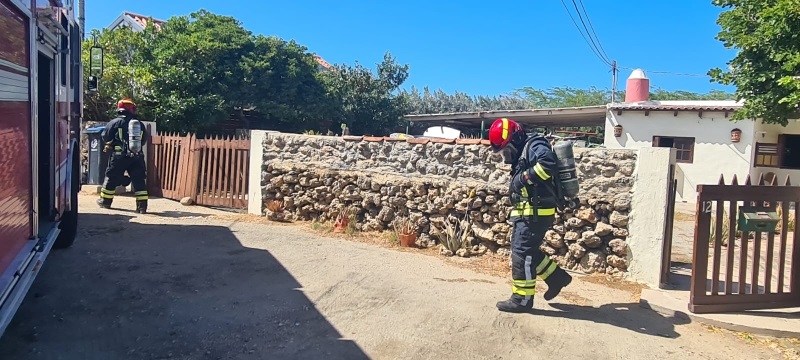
(536, 192)
(125, 137)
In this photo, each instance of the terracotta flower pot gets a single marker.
(340, 225)
(408, 240)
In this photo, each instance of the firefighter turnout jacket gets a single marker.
(115, 134)
(533, 189)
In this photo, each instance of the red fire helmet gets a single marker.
(127, 104)
(501, 132)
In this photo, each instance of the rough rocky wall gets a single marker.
(381, 181)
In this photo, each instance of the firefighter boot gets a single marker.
(558, 280)
(104, 203)
(141, 206)
(514, 307)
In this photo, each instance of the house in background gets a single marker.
(134, 22)
(708, 144)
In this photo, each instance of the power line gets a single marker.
(592, 27)
(590, 44)
(597, 45)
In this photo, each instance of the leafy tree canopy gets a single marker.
(200, 70)
(766, 69)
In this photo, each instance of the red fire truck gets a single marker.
(41, 103)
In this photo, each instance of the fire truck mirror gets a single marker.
(96, 61)
(92, 88)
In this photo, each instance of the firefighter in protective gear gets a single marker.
(120, 136)
(533, 197)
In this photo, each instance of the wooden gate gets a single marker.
(760, 271)
(222, 172)
(213, 172)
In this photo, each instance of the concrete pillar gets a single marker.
(254, 193)
(648, 214)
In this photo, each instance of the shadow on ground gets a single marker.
(127, 290)
(165, 214)
(627, 316)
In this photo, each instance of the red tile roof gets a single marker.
(322, 62)
(667, 107)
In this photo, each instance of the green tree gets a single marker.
(283, 88)
(766, 68)
(124, 75)
(196, 63)
(202, 69)
(369, 103)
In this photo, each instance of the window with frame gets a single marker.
(766, 155)
(785, 154)
(683, 145)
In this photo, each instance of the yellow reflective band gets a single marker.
(505, 128)
(141, 197)
(143, 192)
(540, 171)
(549, 270)
(523, 291)
(527, 210)
(119, 131)
(118, 148)
(542, 265)
(110, 192)
(106, 196)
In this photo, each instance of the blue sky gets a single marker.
(478, 48)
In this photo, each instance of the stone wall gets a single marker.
(381, 180)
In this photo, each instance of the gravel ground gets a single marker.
(187, 283)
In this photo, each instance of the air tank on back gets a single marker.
(134, 136)
(567, 173)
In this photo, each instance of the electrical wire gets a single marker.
(593, 32)
(597, 45)
(590, 44)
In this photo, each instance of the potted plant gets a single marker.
(342, 220)
(405, 232)
(275, 210)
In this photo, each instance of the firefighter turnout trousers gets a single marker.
(115, 176)
(528, 262)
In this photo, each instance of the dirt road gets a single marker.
(183, 284)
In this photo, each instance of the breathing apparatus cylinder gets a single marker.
(134, 137)
(567, 174)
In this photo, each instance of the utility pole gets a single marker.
(613, 81)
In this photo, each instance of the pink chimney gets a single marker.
(638, 87)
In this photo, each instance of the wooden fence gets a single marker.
(760, 271)
(213, 172)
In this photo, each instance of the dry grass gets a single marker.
(616, 283)
(788, 348)
(680, 216)
(250, 219)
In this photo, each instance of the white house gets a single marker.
(708, 143)
(135, 22)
